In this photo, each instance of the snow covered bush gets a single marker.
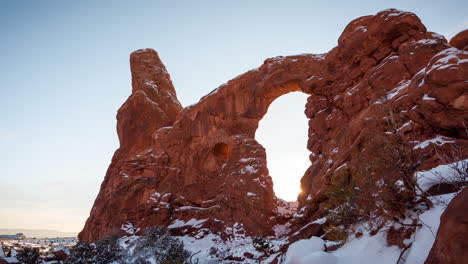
(28, 255)
(102, 251)
(80, 254)
(261, 243)
(156, 246)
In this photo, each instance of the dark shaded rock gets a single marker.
(451, 245)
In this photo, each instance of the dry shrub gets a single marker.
(379, 184)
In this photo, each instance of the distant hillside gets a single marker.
(38, 233)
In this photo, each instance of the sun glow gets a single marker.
(283, 133)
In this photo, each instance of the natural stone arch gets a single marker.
(281, 133)
(171, 164)
(208, 159)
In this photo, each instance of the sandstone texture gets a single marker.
(199, 169)
(451, 245)
(460, 40)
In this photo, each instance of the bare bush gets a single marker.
(379, 184)
(457, 174)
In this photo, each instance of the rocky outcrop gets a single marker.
(460, 41)
(451, 245)
(199, 169)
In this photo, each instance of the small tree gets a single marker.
(341, 209)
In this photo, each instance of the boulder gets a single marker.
(460, 41)
(451, 245)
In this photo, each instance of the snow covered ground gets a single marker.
(373, 249)
(43, 244)
(364, 249)
(441, 174)
(236, 247)
(359, 250)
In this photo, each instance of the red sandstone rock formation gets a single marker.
(203, 161)
(451, 245)
(460, 41)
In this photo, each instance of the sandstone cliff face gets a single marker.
(202, 162)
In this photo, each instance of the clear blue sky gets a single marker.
(64, 72)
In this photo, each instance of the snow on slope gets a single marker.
(441, 173)
(369, 249)
(374, 249)
(366, 249)
(424, 238)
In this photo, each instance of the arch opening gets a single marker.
(283, 134)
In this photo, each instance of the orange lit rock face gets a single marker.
(202, 162)
(152, 105)
(460, 40)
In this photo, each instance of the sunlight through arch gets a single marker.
(283, 133)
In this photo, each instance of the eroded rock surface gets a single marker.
(199, 169)
(460, 40)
